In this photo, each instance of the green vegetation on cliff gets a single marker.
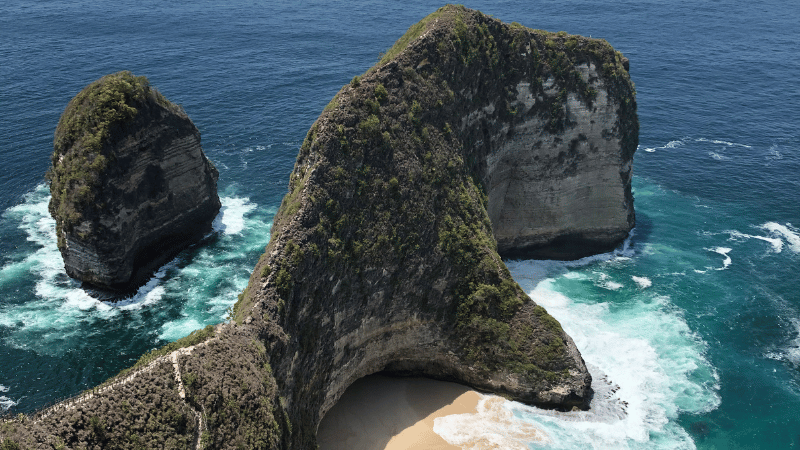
(85, 127)
(389, 177)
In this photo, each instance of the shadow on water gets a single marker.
(643, 229)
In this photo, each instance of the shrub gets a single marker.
(370, 127)
(8, 444)
(380, 93)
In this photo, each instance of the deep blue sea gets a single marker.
(692, 331)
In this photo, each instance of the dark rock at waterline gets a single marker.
(130, 183)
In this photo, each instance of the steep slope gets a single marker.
(383, 257)
(130, 183)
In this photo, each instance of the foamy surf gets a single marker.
(724, 252)
(642, 282)
(670, 144)
(778, 236)
(230, 219)
(493, 426)
(219, 271)
(721, 142)
(787, 233)
(656, 371)
(605, 282)
(5, 402)
(775, 243)
(681, 142)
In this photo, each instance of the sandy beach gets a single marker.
(402, 419)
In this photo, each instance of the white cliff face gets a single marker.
(563, 194)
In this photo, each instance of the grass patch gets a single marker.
(411, 34)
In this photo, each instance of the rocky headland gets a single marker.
(469, 140)
(130, 183)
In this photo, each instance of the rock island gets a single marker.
(130, 184)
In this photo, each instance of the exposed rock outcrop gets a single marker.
(130, 183)
(562, 190)
(383, 255)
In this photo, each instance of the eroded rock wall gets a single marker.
(131, 185)
(564, 193)
(471, 139)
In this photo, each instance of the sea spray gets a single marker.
(786, 232)
(656, 370)
(204, 281)
(5, 402)
(493, 425)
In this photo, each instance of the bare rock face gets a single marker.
(561, 190)
(130, 183)
(555, 144)
(470, 139)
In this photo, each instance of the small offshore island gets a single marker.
(130, 185)
(470, 140)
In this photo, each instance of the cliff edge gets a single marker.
(470, 139)
(129, 181)
(385, 253)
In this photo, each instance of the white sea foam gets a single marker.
(670, 144)
(212, 282)
(721, 142)
(724, 252)
(779, 236)
(776, 243)
(656, 371)
(61, 303)
(643, 282)
(605, 282)
(5, 402)
(492, 426)
(787, 233)
(230, 219)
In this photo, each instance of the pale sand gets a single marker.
(385, 413)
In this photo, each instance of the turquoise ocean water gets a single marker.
(691, 330)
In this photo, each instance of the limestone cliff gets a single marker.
(130, 183)
(383, 255)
